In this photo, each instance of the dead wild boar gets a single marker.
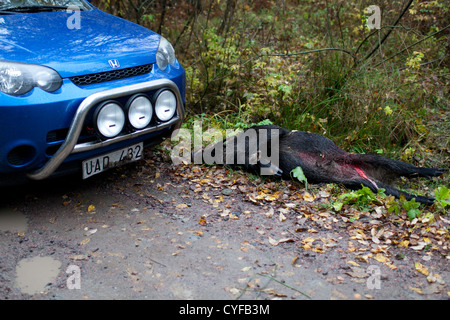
(271, 150)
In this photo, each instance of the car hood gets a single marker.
(45, 38)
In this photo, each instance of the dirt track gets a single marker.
(149, 231)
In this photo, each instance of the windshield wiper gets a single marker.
(22, 9)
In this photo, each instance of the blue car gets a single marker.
(81, 89)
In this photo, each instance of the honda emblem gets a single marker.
(114, 63)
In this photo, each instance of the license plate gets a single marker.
(113, 159)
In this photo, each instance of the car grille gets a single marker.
(111, 75)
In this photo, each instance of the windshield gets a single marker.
(11, 4)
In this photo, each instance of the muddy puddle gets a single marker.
(34, 274)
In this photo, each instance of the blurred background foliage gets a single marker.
(314, 65)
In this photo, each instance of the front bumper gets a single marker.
(44, 135)
(70, 145)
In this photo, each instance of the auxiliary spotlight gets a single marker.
(165, 105)
(109, 119)
(139, 111)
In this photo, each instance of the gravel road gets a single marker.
(151, 231)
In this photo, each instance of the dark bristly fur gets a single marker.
(322, 161)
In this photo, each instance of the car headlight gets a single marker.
(19, 78)
(165, 105)
(165, 54)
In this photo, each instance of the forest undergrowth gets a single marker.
(372, 75)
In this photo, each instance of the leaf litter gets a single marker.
(362, 234)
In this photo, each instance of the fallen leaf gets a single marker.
(79, 257)
(90, 232)
(273, 241)
(420, 246)
(233, 291)
(323, 194)
(307, 243)
(308, 197)
(269, 213)
(391, 266)
(272, 197)
(202, 221)
(364, 258)
(227, 192)
(421, 268)
(404, 243)
(233, 216)
(115, 254)
(375, 239)
(416, 290)
(308, 240)
(381, 258)
(432, 278)
(85, 241)
(353, 263)
(274, 293)
(357, 272)
(243, 189)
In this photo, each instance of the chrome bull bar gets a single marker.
(70, 145)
